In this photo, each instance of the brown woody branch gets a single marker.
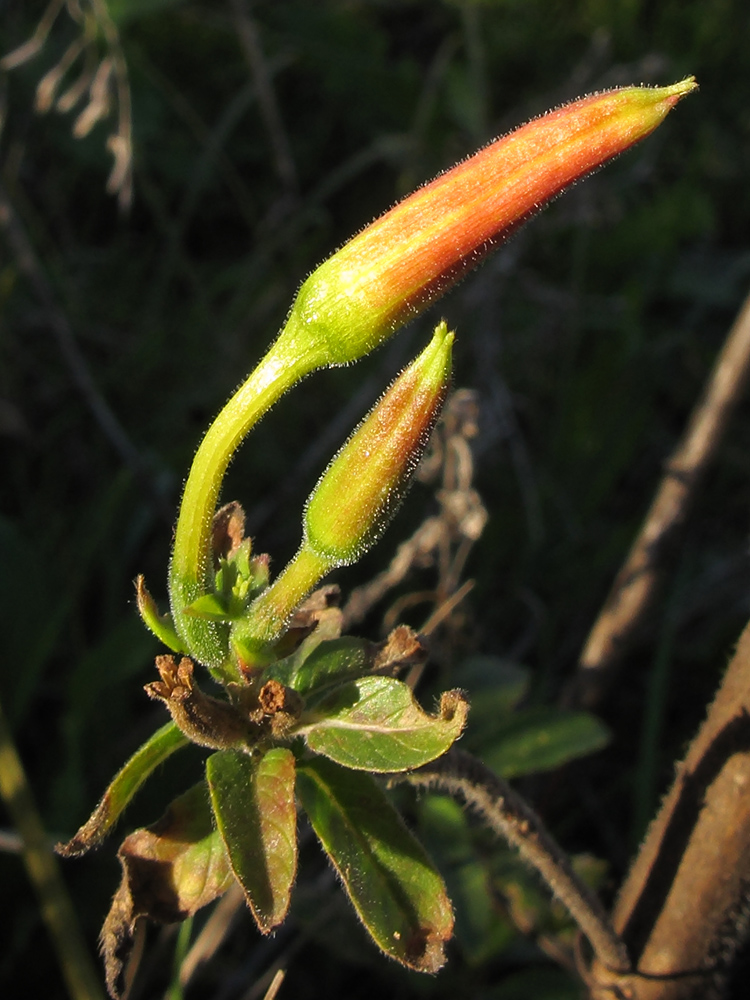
(683, 910)
(635, 586)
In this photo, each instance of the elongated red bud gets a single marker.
(411, 255)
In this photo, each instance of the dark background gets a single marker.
(588, 338)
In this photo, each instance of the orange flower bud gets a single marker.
(411, 255)
(385, 275)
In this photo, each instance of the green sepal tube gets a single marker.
(357, 495)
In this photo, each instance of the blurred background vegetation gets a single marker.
(263, 135)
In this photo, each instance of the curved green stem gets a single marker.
(190, 573)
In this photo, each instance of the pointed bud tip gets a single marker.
(436, 357)
(679, 90)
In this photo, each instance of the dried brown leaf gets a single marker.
(169, 871)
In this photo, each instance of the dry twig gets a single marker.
(35, 44)
(636, 584)
(105, 80)
(214, 933)
(684, 908)
(247, 32)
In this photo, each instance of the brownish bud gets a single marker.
(203, 719)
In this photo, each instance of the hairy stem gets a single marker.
(505, 812)
(191, 565)
(683, 910)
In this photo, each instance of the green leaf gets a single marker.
(526, 899)
(444, 829)
(169, 871)
(253, 801)
(160, 625)
(396, 891)
(330, 663)
(125, 784)
(495, 688)
(500, 681)
(327, 628)
(482, 932)
(540, 739)
(209, 607)
(375, 724)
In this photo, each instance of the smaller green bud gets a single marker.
(357, 495)
(365, 482)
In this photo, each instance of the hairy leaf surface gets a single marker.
(169, 870)
(375, 724)
(253, 801)
(396, 892)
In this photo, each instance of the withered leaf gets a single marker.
(203, 719)
(169, 870)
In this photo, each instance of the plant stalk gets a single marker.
(683, 911)
(505, 812)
